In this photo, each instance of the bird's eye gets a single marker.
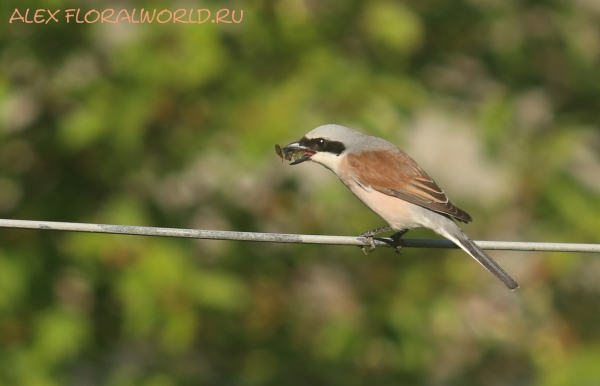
(320, 142)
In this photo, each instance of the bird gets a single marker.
(391, 184)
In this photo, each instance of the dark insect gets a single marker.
(288, 155)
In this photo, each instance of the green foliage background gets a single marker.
(174, 125)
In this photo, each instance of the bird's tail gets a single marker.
(466, 244)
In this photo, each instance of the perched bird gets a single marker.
(392, 184)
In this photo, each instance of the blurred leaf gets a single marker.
(12, 284)
(394, 25)
(218, 290)
(60, 335)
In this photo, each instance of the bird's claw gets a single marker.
(371, 244)
(396, 239)
(369, 236)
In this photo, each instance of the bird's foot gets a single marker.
(371, 245)
(396, 239)
(369, 236)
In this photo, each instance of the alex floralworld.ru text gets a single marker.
(186, 16)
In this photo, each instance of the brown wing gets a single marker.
(407, 181)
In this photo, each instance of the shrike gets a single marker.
(391, 183)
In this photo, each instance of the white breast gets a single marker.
(399, 214)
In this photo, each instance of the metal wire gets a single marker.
(287, 238)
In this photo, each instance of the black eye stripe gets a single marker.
(323, 145)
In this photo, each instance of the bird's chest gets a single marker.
(399, 214)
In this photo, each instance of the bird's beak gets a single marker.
(295, 151)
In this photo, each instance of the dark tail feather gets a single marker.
(465, 243)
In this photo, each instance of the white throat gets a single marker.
(329, 160)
